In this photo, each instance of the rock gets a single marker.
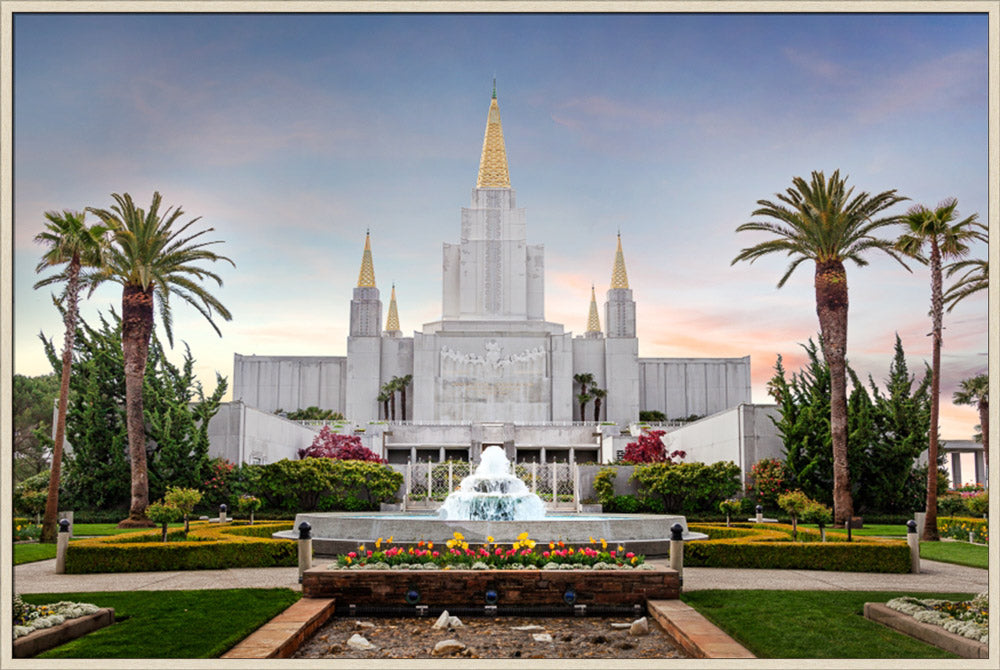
(639, 627)
(621, 626)
(531, 627)
(447, 647)
(360, 643)
(455, 622)
(363, 624)
(442, 621)
(542, 637)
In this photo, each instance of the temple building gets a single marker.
(492, 364)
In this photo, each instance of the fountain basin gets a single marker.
(339, 532)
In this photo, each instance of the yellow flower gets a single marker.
(450, 543)
(430, 545)
(459, 536)
(489, 539)
(592, 540)
(604, 543)
(621, 548)
(390, 539)
(523, 536)
(378, 543)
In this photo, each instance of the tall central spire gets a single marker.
(366, 277)
(493, 163)
(619, 278)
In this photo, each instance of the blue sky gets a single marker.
(292, 134)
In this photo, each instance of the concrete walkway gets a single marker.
(40, 577)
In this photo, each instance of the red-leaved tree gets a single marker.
(649, 449)
(329, 444)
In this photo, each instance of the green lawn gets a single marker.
(170, 624)
(880, 530)
(88, 529)
(811, 624)
(29, 553)
(962, 553)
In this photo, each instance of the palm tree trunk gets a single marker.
(930, 531)
(69, 320)
(137, 328)
(392, 405)
(402, 402)
(984, 424)
(831, 308)
(597, 410)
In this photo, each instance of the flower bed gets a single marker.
(770, 546)
(28, 618)
(457, 553)
(207, 546)
(959, 528)
(970, 618)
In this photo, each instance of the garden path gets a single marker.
(40, 577)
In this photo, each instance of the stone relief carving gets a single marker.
(530, 362)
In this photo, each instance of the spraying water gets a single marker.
(492, 493)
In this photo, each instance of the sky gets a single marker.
(291, 135)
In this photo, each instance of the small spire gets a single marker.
(619, 278)
(593, 321)
(493, 171)
(392, 322)
(366, 278)
(494, 88)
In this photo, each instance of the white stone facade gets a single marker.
(492, 357)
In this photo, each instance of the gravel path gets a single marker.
(571, 637)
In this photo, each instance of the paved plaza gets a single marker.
(40, 577)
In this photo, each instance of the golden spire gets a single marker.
(619, 278)
(392, 322)
(366, 278)
(493, 163)
(594, 321)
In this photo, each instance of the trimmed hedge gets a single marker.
(207, 547)
(769, 546)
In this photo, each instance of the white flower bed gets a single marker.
(53, 614)
(963, 624)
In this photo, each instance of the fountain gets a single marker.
(490, 503)
(492, 493)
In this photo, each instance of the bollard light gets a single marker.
(412, 596)
(64, 525)
(911, 526)
(492, 597)
(677, 532)
(304, 531)
(569, 596)
(760, 509)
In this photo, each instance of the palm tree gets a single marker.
(383, 397)
(975, 391)
(71, 242)
(149, 258)
(584, 379)
(598, 395)
(583, 399)
(401, 384)
(821, 221)
(976, 275)
(946, 239)
(389, 389)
